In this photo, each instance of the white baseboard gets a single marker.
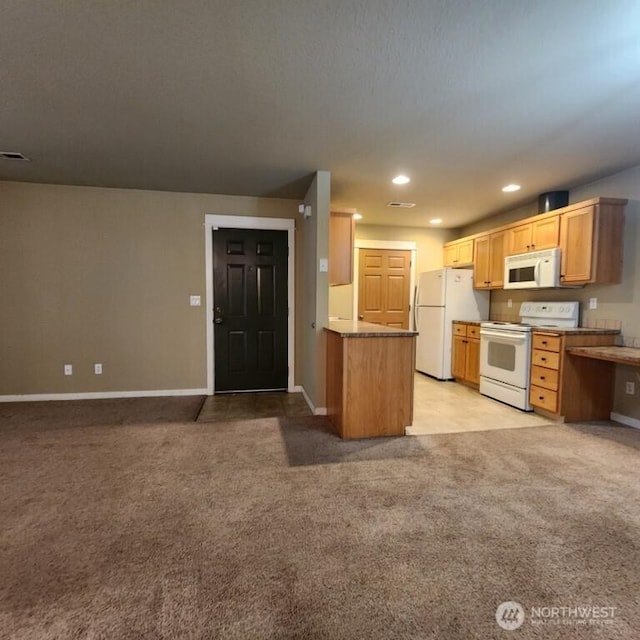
(626, 420)
(317, 411)
(100, 395)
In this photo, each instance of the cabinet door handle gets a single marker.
(540, 397)
(541, 377)
(544, 342)
(543, 359)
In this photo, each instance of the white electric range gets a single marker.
(505, 349)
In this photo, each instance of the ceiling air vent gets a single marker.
(401, 205)
(13, 155)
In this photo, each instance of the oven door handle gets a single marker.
(513, 336)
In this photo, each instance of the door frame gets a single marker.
(215, 221)
(398, 245)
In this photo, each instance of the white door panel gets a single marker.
(430, 348)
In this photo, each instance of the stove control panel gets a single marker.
(565, 312)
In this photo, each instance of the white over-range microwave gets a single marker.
(534, 270)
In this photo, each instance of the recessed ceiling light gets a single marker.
(435, 221)
(357, 216)
(511, 187)
(401, 179)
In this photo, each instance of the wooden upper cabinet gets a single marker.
(591, 243)
(458, 253)
(533, 236)
(341, 238)
(589, 235)
(488, 270)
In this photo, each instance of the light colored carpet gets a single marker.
(115, 526)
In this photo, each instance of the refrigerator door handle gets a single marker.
(415, 310)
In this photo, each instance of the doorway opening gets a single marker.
(387, 245)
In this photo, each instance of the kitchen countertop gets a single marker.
(577, 331)
(623, 355)
(359, 329)
(474, 322)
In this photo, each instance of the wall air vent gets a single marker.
(13, 155)
(401, 205)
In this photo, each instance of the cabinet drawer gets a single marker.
(543, 398)
(473, 331)
(545, 359)
(459, 329)
(542, 377)
(550, 343)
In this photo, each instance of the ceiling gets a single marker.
(251, 97)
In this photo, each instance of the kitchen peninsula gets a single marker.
(370, 370)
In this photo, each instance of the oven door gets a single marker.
(505, 356)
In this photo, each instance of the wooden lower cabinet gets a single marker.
(370, 383)
(570, 388)
(465, 357)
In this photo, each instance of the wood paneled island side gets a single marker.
(370, 371)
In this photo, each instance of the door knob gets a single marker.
(218, 320)
(360, 317)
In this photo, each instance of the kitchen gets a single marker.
(601, 310)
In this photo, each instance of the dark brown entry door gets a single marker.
(384, 287)
(250, 309)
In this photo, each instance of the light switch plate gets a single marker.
(593, 303)
(509, 303)
(195, 301)
(97, 368)
(68, 369)
(324, 265)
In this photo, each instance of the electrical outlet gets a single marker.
(97, 368)
(509, 303)
(630, 388)
(68, 369)
(593, 303)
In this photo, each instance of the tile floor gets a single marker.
(250, 406)
(450, 407)
(439, 407)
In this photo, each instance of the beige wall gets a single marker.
(618, 305)
(315, 245)
(104, 275)
(428, 241)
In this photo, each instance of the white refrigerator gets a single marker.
(443, 296)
